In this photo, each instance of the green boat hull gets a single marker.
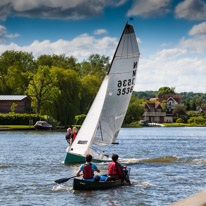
(72, 158)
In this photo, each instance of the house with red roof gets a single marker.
(153, 112)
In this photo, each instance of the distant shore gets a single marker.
(21, 127)
(26, 127)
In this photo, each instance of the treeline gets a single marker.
(59, 86)
(191, 100)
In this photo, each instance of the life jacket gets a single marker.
(87, 172)
(112, 169)
(74, 136)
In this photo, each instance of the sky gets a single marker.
(171, 35)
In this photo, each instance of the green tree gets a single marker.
(166, 90)
(193, 105)
(42, 87)
(24, 60)
(67, 105)
(179, 120)
(13, 107)
(60, 61)
(199, 102)
(179, 110)
(96, 65)
(134, 111)
(15, 67)
(90, 85)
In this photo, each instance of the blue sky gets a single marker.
(171, 35)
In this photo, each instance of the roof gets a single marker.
(154, 99)
(176, 97)
(12, 97)
(152, 105)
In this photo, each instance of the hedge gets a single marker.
(19, 119)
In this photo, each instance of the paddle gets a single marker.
(62, 180)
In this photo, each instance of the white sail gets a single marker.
(121, 82)
(105, 117)
(84, 138)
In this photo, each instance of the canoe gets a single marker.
(79, 184)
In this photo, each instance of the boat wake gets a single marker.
(163, 160)
(143, 184)
(61, 187)
(130, 161)
(167, 159)
(195, 161)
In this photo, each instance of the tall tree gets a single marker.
(24, 60)
(95, 65)
(90, 86)
(134, 111)
(15, 67)
(42, 87)
(179, 110)
(166, 90)
(67, 105)
(60, 61)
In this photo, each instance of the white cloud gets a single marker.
(4, 35)
(197, 42)
(169, 54)
(100, 31)
(62, 9)
(199, 29)
(191, 9)
(185, 74)
(80, 47)
(194, 45)
(149, 8)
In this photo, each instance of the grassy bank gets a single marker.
(11, 126)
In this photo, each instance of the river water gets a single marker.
(167, 164)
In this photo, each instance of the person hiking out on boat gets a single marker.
(74, 133)
(68, 135)
(88, 169)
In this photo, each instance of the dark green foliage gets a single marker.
(15, 68)
(179, 120)
(145, 95)
(79, 119)
(134, 111)
(60, 61)
(166, 90)
(19, 119)
(197, 121)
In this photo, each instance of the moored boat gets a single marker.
(42, 125)
(79, 184)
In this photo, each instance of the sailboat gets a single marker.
(105, 117)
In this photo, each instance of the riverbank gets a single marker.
(27, 127)
(21, 127)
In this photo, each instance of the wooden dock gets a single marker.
(198, 199)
